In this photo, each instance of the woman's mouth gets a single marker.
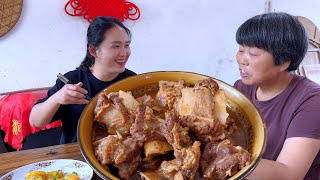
(121, 62)
(243, 74)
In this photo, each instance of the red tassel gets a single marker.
(90, 9)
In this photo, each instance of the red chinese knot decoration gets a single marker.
(90, 9)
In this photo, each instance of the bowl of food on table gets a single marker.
(171, 125)
(58, 169)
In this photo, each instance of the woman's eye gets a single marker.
(253, 54)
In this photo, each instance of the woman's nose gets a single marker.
(242, 59)
(123, 51)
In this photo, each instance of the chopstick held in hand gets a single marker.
(66, 81)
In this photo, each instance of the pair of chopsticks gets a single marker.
(66, 81)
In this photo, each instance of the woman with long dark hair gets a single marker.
(108, 50)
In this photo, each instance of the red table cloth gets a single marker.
(14, 116)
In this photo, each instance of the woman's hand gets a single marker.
(71, 94)
(292, 163)
(42, 113)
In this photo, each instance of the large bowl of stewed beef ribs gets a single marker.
(171, 125)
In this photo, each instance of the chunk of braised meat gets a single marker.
(204, 100)
(147, 100)
(230, 126)
(112, 150)
(185, 165)
(129, 101)
(208, 83)
(113, 115)
(204, 129)
(222, 160)
(198, 102)
(176, 135)
(203, 111)
(101, 102)
(112, 119)
(207, 165)
(153, 162)
(127, 169)
(146, 126)
(169, 92)
(204, 103)
(117, 101)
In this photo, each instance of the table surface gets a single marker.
(13, 160)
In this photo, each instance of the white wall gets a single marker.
(44, 42)
(184, 35)
(308, 8)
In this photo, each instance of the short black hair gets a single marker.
(279, 33)
(96, 35)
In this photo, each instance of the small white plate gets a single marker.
(67, 166)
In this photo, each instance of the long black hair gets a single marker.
(279, 33)
(96, 35)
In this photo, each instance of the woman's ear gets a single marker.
(92, 50)
(285, 66)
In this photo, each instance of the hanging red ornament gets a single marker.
(90, 9)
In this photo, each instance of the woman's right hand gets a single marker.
(71, 94)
